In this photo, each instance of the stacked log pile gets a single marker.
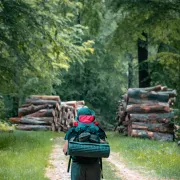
(38, 113)
(147, 112)
(46, 113)
(67, 114)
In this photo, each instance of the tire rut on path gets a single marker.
(122, 170)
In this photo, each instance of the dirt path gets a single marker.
(58, 163)
(123, 171)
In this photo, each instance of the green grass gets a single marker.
(159, 158)
(109, 171)
(24, 155)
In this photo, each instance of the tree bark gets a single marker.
(43, 113)
(144, 80)
(152, 135)
(45, 97)
(32, 120)
(141, 94)
(146, 108)
(41, 102)
(152, 117)
(31, 109)
(154, 88)
(144, 101)
(154, 127)
(33, 127)
(70, 103)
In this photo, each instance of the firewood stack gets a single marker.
(38, 113)
(67, 114)
(147, 112)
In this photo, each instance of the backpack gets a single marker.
(89, 140)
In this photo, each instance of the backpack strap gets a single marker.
(100, 160)
(69, 163)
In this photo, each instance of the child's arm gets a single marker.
(65, 147)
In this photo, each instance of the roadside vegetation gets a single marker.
(24, 155)
(153, 158)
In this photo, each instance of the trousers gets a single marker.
(85, 171)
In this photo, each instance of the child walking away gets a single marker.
(86, 144)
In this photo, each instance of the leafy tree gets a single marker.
(159, 20)
(37, 39)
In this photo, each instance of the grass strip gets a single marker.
(109, 171)
(25, 154)
(161, 159)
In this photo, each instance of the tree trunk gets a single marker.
(152, 135)
(33, 127)
(171, 94)
(155, 127)
(32, 120)
(31, 109)
(41, 102)
(144, 80)
(152, 117)
(144, 95)
(130, 70)
(43, 113)
(154, 88)
(45, 97)
(144, 101)
(146, 108)
(70, 103)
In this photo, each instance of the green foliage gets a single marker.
(102, 79)
(24, 155)
(5, 127)
(163, 158)
(38, 38)
(2, 109)
(109, 171)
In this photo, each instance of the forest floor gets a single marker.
(58, 163)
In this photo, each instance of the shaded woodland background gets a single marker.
(87, 50)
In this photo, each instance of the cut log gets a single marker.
(32, 120)
(146, 108)
(141, 94)
(14, 119)
(80, 102)
(70, 103)
(45, 97)
(171, 93)
(25, 105)
(33, 127)
(43, 113)
(155, 127)
(155, 88)
(152, 135)
(172, 101)
(30, 109)
(144, 101)
(152, 117)
(125, 98)
(41, 101)
(48, 120)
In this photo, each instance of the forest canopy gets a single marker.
(88, 49)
